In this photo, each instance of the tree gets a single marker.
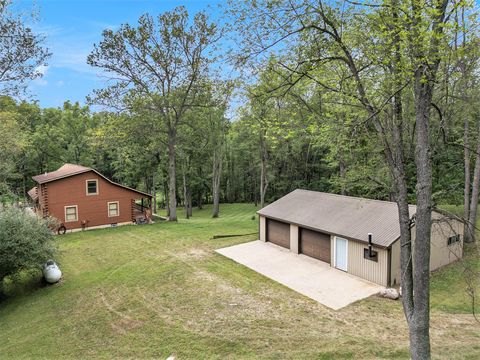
(404, 48)
(218, 129)
(22, 54)
(160, 64)
(466, 63)
(12, 145)
(26, 243)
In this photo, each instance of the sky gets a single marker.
(71, 28)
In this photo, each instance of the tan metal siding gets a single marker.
(332, 250)
(441, 253)
(367, 269)
(263, 229)
(294, 238)
(395, 264)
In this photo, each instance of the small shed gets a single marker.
(356, 235)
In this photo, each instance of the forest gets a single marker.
(285, 130)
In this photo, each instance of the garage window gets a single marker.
(373, 256)
(453, 239)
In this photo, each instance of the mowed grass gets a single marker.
(461, 278)
(157, 290)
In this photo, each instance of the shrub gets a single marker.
(26, 242)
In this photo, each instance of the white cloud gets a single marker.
(40, 82)
(60, 83)
(42, 69)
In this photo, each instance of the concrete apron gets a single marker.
(308, 276)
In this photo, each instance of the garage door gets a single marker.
(278, 233)
(315, 244)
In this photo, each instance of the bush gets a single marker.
(26, 243)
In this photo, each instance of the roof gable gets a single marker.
(33, 193)
(69, 170)
(346, 216)
(62, 172)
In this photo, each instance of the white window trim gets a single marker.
(76, 212)
(118, 208)
(86, 187)
(335, 254)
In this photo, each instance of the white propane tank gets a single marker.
(51, 272)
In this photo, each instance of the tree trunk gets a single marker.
(189, 208)
(466, 189)
(472, 218)
(419, 321)
(341, 163)
(185, 195)
(217, 172)
(172, 194)
(154, 191)
(165, 193)
(200, 201)
(263, 170)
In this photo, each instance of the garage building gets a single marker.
(335, 229)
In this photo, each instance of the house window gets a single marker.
(453, 239)
(373, 256)
(113, 209)
(92, 187)
(71, 213)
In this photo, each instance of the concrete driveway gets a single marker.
(308, 276)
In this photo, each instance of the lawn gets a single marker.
(155, 290)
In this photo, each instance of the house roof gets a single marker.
(68, 170)
(64, 171)
(346, 216)
(33, 193)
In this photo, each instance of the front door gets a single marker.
(341, 253)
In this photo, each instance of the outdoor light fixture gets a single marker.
(368, 253)
(370, 244)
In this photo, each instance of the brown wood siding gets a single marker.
(315, 244)
(92, 209)
(278, 233)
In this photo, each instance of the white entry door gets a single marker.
(341, 253)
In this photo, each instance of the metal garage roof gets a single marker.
(346, 216)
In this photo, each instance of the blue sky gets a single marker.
(72, 27)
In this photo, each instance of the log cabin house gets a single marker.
(82, 198)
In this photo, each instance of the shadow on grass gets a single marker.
(24, 284)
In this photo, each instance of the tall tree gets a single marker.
(404, 47)
(22, 52)
(218, 129)
(163, 62)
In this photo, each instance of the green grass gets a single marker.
(155, 290)
(459, 279)
(452, 285)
